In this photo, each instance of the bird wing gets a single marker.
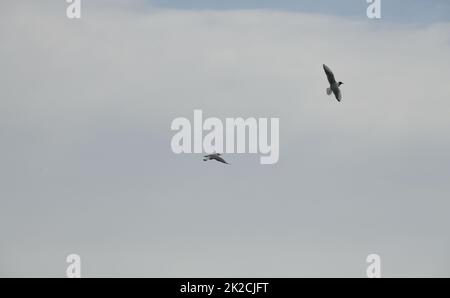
(338, 94)
(218, 158)
(212, 154)
(329, 74)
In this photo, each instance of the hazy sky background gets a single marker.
(86, 165)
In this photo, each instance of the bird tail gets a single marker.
(204, 159)
(329, 91)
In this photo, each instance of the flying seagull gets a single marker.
(334, 86)
(215, 156)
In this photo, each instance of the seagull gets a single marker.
(334, 87)
(215, 156)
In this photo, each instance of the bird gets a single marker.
(215, 156)
(334, 86)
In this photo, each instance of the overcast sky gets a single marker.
(86, 164)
